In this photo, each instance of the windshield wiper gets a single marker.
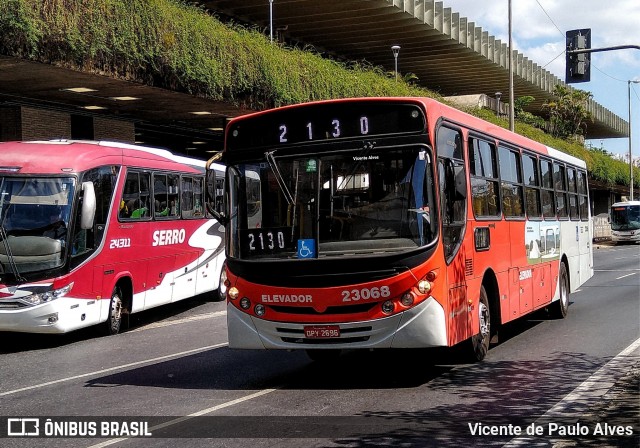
(5, 239)
(274, 168)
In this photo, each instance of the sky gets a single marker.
(538, 32)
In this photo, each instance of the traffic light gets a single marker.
(578, 65)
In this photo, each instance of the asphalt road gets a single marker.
(173, 371)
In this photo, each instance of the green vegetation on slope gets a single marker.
(176, 45)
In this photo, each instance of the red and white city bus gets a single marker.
(91, 231)
(394, 223)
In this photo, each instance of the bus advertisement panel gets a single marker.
(92, 231)
(394, 223)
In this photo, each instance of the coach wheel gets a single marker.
(323, 355)
(221, 292)
(480, 342)
(560, 308)
(114, 320)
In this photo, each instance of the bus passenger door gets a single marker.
(453, 210)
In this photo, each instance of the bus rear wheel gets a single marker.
(114, 319)
(560, 308)
(479, 343)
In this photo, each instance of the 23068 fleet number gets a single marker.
(354, 295)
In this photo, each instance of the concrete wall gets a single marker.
(28, 123)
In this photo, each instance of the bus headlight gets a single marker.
(387, 307)
(48, 296)
(424, 286)
(233, 293)
(245, 303)
(407, 299)
(259, 310)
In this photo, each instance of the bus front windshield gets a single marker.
(352, 203)
(625, 217)
(34, 218)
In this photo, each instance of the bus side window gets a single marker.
(136, 196)
(452, 186)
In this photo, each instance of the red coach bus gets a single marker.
(91, 231)
(394, 223)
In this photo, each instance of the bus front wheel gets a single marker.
(114, 319)
(479, 344)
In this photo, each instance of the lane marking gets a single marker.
(628, 275)
(577, 401)
(615, 270)
(111, 369)
(179, 321)
(190, 416)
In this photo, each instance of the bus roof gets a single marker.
(625, 204)
(434, 107)
(69, 156)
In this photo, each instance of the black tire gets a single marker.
(323, 355)
(560, 308)
(114, 320)
(220, 294)
(479, 343)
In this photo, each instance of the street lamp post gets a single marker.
(396, 51)
(271, 20)
(511, 99)
(630, 153)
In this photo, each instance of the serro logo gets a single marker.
(166, 237)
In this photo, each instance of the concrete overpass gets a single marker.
(447, 52)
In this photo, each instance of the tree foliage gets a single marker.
(568, 112)
(177, 45)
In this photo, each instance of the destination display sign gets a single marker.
(325, 121)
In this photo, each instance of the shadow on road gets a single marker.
(21, 342)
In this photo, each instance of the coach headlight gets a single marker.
(259, 310)
(48, 296)
(245, 303)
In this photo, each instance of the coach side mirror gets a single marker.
(88, 211)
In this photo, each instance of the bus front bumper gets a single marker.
(421, 326)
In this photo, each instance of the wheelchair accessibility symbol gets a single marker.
(306, 248)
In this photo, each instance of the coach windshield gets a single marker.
(362, 202)
(34, 220)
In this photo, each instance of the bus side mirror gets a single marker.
(88, 211)
(461, 184)
(211, 197)
(455, 179)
